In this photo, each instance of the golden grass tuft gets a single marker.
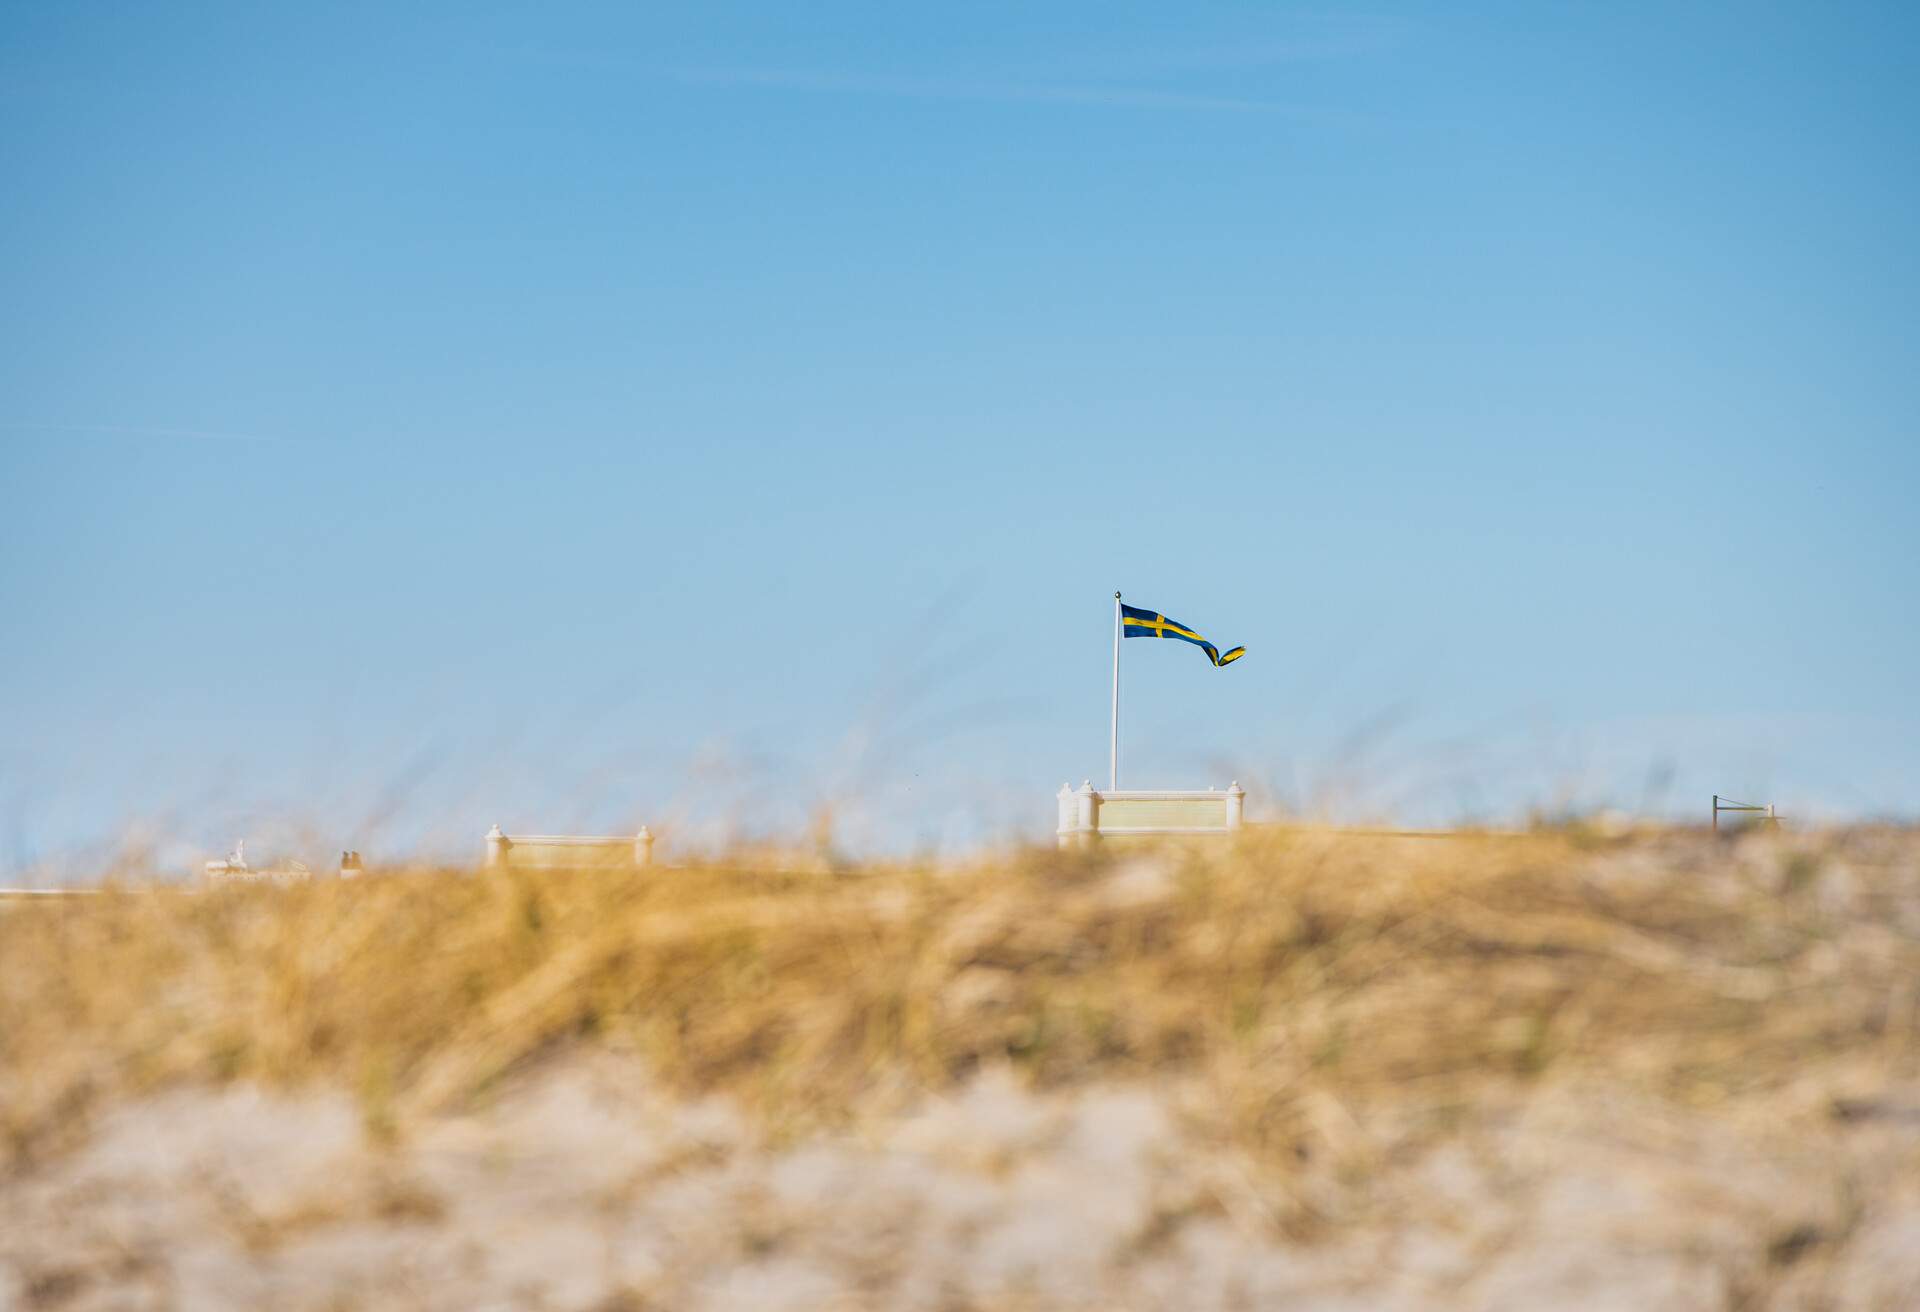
(1394, 980)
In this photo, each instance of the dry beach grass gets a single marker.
(1314, 1069)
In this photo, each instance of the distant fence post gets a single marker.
(496, 848)
(1236, 805)
(643, 847)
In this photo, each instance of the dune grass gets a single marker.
(1396, 980)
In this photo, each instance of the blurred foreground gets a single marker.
(1313, 1071)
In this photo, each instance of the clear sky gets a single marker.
(418, 416)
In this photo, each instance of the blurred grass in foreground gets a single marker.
(1402, 979)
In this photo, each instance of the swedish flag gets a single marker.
(1138, 623)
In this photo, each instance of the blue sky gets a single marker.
(413, 417)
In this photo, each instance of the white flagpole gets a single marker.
(1113, 740)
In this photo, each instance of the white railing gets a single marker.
(1086, 816)
(561, 850)
(1726, 805)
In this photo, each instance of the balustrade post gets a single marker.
(1088, 814)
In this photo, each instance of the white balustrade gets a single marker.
(1086, 816)
(560, 851)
